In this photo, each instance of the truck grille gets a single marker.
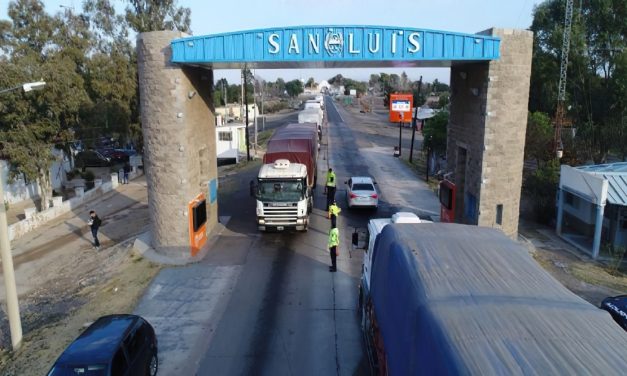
(280, 215)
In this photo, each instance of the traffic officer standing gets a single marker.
(334, 242)
(334, 210)
(330, 187)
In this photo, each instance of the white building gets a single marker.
(21, 190)
(230, 142)
(324, 86)
(236, 112)
(592, 206)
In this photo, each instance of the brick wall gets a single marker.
(489, 104)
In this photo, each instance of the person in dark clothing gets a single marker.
(94, 222)
(127, 170)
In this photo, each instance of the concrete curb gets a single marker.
(143, 247)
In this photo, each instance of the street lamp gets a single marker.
(13, 308)
(29, 86)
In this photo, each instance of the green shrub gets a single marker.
(88, 175)
(617, 255)
(73, 173)
(541, 187)
(271, 107)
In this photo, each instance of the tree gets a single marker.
(439, 87)
(310, 82)
(337, 80)
(404, 82)
(294, 88)
(375, 81)
(30, 125)
(541, 185)
(279, 87)
(444, 100)
(154, 15)
(359, 87)
(539, 138)
(594, 97)
(434, 132)
(89, 66)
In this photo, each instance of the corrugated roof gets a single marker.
(616, 176)
(459, 299)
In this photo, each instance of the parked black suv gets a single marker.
(617, 307)
(113, 345)
(91, 158)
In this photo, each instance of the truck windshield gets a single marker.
(280, 191)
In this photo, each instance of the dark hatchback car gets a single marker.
(617, 307)
(91, 158)
(113, 345)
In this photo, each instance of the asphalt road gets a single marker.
(288, 315)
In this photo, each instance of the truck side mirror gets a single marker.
(254, 189)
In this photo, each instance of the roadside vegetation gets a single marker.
(89, 64)
(596, 91)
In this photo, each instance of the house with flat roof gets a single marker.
(592, 206)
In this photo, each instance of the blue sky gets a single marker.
(468, 16)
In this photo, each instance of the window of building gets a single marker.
(499, 214)
(569, 198)
(225, 136)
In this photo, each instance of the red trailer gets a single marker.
(297, 143)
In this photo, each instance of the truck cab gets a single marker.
(284, 198)
(375, 226)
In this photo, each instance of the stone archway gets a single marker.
(490, 74)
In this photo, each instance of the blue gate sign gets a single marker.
(334, 46)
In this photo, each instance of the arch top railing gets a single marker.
(335, 46)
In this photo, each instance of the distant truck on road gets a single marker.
(454, 299)
(284, 197)
(312, 115)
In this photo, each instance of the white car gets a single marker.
(361, 192)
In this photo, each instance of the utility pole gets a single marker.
(13, 306)
(245, 93)
(226, 101)
(263, 96)
(255, 107)
(241, 102)
(414, 121)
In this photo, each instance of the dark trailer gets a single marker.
(450, 299)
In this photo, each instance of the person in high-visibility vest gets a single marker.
(334, 210)
(330, 187)
(334, 242)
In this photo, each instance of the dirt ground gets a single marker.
(589, 279)
(56, 312)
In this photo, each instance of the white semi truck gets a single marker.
(312, 115)
(313, 105)
(375, 226)
(284, 197)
